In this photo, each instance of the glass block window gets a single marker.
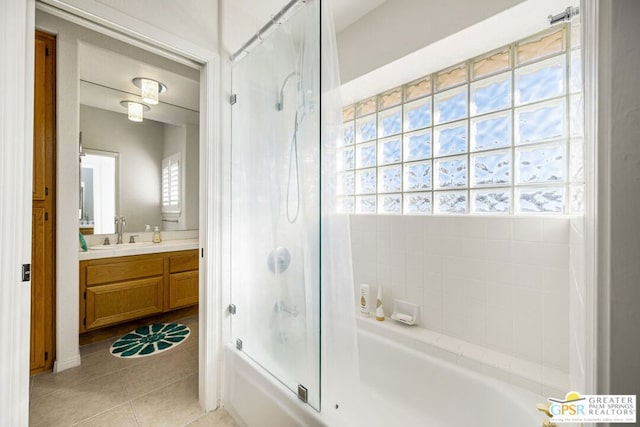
(498, 134)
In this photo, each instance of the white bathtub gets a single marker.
(399, 387)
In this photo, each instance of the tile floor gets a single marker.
(160, 390)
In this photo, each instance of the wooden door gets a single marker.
(43, 226)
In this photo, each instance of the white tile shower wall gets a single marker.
(501, 283)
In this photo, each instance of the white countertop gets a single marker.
(127, 249)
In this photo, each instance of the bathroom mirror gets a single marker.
(139, 150)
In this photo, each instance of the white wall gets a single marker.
(192, 177)
(501, 283)
(139, 146)
(400, 27)
(618, 184)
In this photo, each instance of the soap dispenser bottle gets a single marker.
(379, 309)
(156, 235)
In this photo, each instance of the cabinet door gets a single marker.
(119, 302)
(38, 292)
(183, 289)
(40, 120)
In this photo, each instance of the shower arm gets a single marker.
(280, 103)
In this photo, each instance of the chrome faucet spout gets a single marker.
(120, 223)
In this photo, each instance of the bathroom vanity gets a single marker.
(116, 289)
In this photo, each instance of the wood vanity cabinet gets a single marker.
(183, 280)
(115, 290)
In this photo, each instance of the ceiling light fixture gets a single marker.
(135, 110)
(149, 89)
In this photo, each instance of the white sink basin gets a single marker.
(121, 246)
(100, 248)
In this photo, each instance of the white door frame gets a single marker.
(17, 25)
(596, 255)
(17, 38)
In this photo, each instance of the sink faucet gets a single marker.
(120, 222)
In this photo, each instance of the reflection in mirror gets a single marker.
(170, 129)
(141, 149)
(98, 187)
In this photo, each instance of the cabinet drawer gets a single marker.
(124, 270)
(118, 302)
(183, 289)
(186, 262)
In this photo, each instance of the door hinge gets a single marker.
(46, 355)
(232, 309)
(303, 394)
(26, 272)
(84, 295)
(202, 253)
(46, 51)
(46, 191)
(84, 321)
(239, 344)
(46, 216)
(233, 99)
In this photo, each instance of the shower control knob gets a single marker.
(279, 260)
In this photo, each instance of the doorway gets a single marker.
(204, 64)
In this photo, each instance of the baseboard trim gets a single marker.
(63, 365)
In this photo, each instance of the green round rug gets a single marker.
(149, 340)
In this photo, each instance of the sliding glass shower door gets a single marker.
(275, 216)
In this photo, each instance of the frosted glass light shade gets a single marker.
(149, 91)
(135, 111)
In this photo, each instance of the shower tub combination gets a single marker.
(399, 386)
(281, 200)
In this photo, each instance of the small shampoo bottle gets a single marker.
(379, 309)
(364, 299)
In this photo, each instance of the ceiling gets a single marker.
(105, 80)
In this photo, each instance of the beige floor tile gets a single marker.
(189, 321)
(158, 371)
(97, 346)
(93, 365)
(219, 418)
(70, 404)
(120, 416)
(191, 344)
(173, 405)
(162, 390)
(193, 336)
